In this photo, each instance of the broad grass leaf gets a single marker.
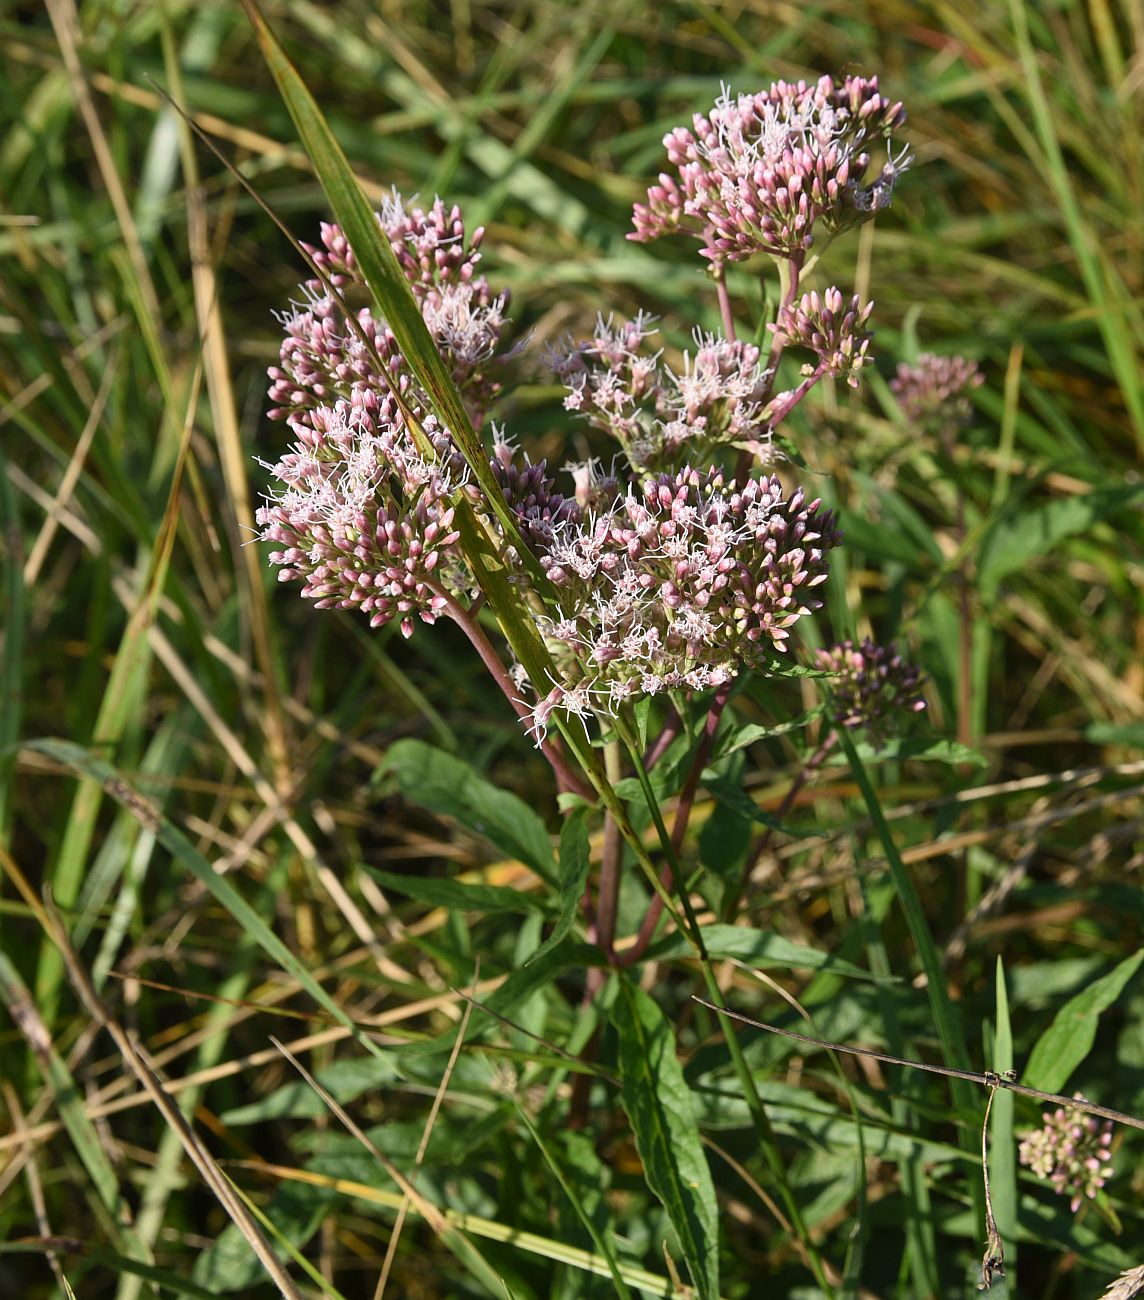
(1021, 534)
(296, 1210)
(444, 783)
(523, 983)
(1069, 1039)
(345, 1081)
(658, 1103)
(761, 948)
(574, 860)
(459, 897)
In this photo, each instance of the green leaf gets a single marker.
(1130, 734)
(1069, 1039)
(490, 899)
(760, 948)
(658, 1103)
(1021, 534)
(944, 1014)
(523, 983)
(879, 541)
(733, 796)
(295, 1209)
(732, 739)
(1002, 1149)
(345, 1081)
(724, 841)
(574, 862)
(443, 783)
(919, 749)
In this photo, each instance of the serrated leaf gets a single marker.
(761, 948)
(453, 894)
(658, 1104)
(1022, 534)
(444, 783)
(574, 861)
(1069, 1039)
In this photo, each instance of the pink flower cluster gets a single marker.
(364, 518)
(874, 687)
(464, 316)
(661, 418)
(681, 584)
(934, 392)
(764, 173)
(362, 504)
(1071, 1151)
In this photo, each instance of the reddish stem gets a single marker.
(568, 779)
(809, 768)
(679, 826)
(719, 272)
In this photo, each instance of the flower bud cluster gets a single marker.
(531, 495)
(681, 584)
(1071, 1151)
(659, 417)
(934, 392)
(464, 316)
(830, 327)
(874, 687)
(762, 173)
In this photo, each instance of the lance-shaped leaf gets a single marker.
(658, 1102)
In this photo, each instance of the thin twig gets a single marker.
(986, 1078)
(994, 1260)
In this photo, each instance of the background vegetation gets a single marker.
(139, 624)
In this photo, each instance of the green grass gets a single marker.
(209, 844)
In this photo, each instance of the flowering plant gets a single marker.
(668, 569)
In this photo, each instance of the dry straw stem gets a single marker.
(1126, 1286)
(153, 1086)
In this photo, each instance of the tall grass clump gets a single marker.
(682, 842)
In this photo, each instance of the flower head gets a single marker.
(364, 518)
(1071, 1150)
(682, 583)
(764, 172)
(832, 328)
(934, 392)
(663, 418)
(874, 687)
(464, 316)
